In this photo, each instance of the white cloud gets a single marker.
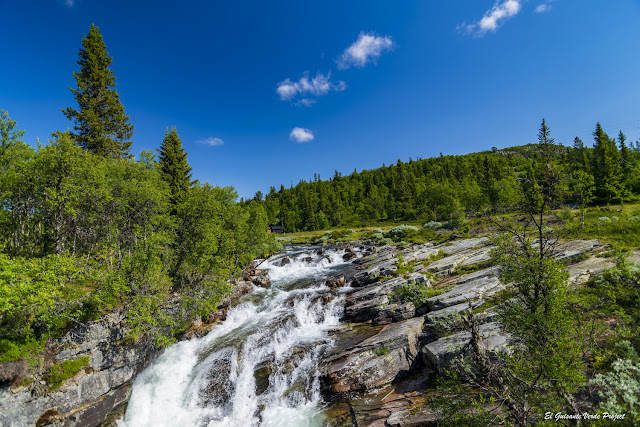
(69, 3)
(211, 141)
(367, 48)
(543, 8)
(494, 17)
(319, 85)
(301, 135)
(306, 102)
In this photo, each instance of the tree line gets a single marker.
(448, 187)
(86, 228)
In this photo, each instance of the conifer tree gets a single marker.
(100, 122)
(174, 166)
(607, 167)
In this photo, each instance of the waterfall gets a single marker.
(259, 366)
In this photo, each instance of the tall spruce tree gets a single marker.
(100, 122)
(174, 167)
(607, 167)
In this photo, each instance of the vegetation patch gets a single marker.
(60, 372)
(27, 349)
(417, 293)
(382, 351)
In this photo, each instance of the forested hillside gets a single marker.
(85, 228)
(448, 187)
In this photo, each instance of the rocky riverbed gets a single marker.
(367, 352)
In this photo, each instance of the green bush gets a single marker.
(60, 372)
(433, 225)
(417, 293)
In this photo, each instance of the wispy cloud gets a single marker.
(69, 3)
(319, 85)
(211, 141)
(301, 135)
(494, 18)
(543, 8)
(367, 48)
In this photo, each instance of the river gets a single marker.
(259, 366)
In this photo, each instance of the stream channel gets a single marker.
(259, 366)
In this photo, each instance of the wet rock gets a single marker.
(376, 361)
(219, 368)
(254, 264)
(336, 281)
(282, 262)
(262, 280)
(261, 376)
(348, 256)
(307, 259)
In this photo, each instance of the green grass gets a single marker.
(27, 349)
(60, 372)
(382, 351)
(623, 232)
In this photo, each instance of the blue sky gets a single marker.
(268, 93)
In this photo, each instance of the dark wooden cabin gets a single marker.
(276, 229)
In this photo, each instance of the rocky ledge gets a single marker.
(388, 348)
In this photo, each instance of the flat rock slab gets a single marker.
(461, 259)
(569, 251)
(439, 354)
(377, 360)
(464, 292)
(398, 404)
(583, 271)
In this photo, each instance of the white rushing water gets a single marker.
(259, 366)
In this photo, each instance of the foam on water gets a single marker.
(211, 381)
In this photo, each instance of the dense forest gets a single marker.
(85, 228)
(449, 187)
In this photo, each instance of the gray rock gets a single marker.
(88, 397)
(262, 280)
(464, 292)
(585, 270)
(441, 353)
(377, 360)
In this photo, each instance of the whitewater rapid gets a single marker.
(259, 366)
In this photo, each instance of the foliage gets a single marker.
(175, 169)
(28, 349)
(619, 389)
(60, 372)
(82, 234)
(457, 404)
(543, 367)
(382, 351)
(100, 122)
(417, 293)
(450, 187)
(433, 225)
(624, 233)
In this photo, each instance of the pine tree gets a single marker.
(174, 166)
(100, 122)
(607, 167)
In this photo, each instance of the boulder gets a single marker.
(282, 262)
(262, 280)
(348, 256)
(377, 361)
(336, 281)
(465, 291)
(441, 353)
